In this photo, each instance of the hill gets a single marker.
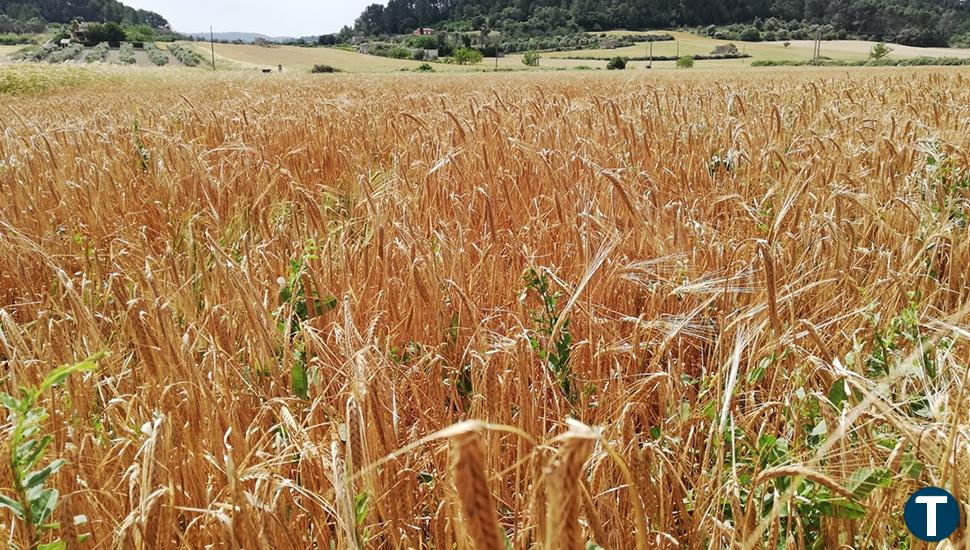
(59, 11)
(911, 22)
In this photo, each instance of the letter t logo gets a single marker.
(931, 502)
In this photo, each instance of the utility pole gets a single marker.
(818, 43)
(650, 63)
(212, 46)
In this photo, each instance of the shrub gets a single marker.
(685, 62)
(750, 34)
(425, 68)
(126, 53)
(34, 54)
(104, 32)
(616, 64)
(423, 42)
(97, 53)
(467, 56)
(65, 54)
(156, 55)
(188, 57)
(14, 40)
(320, 69)
(530, 59)
(879, 51)
(398, 52)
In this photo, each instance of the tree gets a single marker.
(685, 62)
(104, 32)
(616, 64)
(467, 56)
(530, 59)
(880, 50)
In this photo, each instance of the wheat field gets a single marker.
(693, 310)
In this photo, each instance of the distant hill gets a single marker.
(248, 37)
(61, 11)
(911, 22)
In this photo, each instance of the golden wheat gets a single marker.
(752, 286)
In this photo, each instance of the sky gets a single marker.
(271, 17)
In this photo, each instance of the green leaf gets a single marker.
(322, 306)
(35, 479)
(841, 508)
(61, 373)
(10, 402)
(360, 507)
(56, 545)
(865, 480)
(43, 505)
(300, 383)
(12, 505)
(29, 452)
(838, 393)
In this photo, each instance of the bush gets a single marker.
(423, 42)
(879, 51)
(65, 54)
(685, 62)
(530, 59)
(467, 56)
(156, 55)
(34, 54)
(104, 32)
(616, 64)
(750, 34)
(425, 68)
(126, 54)
(97, 53)
(320, 69)
(187, 57)
(14, 40)
(398, 52)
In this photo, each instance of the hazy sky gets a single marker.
(272, 17)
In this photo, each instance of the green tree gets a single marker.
(880, 50)
(530, 59)
(685, 62)
(467, 56)
(616, 64)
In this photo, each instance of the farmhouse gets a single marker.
(424, 31)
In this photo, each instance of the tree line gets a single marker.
(914, 22)
(61, 11)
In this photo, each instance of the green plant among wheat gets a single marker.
(31, 500)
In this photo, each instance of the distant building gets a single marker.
(424, 31)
